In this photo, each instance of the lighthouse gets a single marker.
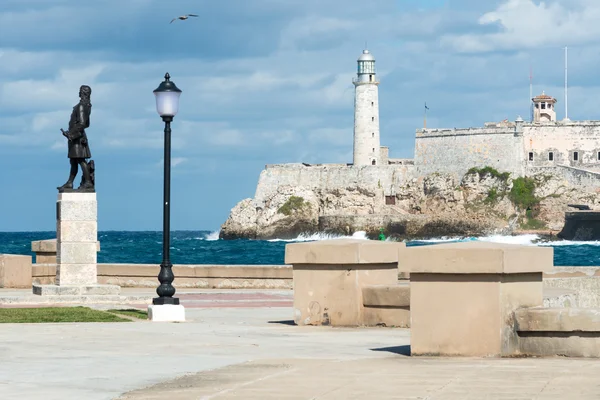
(366, 113)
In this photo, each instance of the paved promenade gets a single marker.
(240, 345)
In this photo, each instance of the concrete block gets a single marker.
(44, 246)
(166, 313)
(476, 257)
(77, 207)
(328, 278)
(343, 251)
(89, 290)
(463, 296)
(76, 274)
(76, 253)
(77, 231)
(15, 271)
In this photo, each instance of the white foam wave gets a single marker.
(210, 236)
(525, 240)
(571, 243)
(323, 236)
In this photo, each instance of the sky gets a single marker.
(264, 82)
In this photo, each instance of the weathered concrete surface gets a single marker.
(392, 377)
(584, 281)
(102, 361)
(232, 348)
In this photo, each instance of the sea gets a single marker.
(205, 247)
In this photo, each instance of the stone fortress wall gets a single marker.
(327, 177)
(455, 151)
(567, 148)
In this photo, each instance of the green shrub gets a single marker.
(522, 193)
(294, 203)
(492, 196)
(534, 224)
(482, 172)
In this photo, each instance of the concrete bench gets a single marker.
(387, 305)
(570, 332)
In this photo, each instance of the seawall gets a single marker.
(582, 282)
(581, 225)
(186, 276)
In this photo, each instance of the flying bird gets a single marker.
(183, 17)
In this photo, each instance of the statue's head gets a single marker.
(85, 91)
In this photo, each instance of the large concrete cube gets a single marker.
(329, 276)
(463, 295)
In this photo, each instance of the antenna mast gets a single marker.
(566, 85)
(530, 93)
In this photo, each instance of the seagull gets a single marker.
(183, 17)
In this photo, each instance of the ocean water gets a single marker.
(205, 247)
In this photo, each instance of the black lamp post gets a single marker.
(167, 105)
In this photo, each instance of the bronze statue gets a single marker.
(79, 150)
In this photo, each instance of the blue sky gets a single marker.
(264, 81)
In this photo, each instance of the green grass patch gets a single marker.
(534, 224)
(522, 193)
(294, 203)
(140, 314)
(56, 314)
(482, 172)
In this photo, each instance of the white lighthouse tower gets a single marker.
(366, 113)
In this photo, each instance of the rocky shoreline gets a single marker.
(483, 202)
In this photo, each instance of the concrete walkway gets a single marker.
(241, 344)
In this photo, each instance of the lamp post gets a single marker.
(167, 105)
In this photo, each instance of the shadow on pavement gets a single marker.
(400, 350)
(285, 322)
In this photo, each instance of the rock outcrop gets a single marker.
(483, 202)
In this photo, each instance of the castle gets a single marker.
(568, 149)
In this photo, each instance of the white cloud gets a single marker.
(528, 24)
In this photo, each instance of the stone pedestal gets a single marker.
(463, 296)
(329, 277)
(166, 313)
(76, 248)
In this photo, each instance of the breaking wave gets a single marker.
(322, 236)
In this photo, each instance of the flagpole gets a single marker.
(425, 118)
(566, 86)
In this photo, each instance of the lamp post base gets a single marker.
(166, 313)
(159, 301)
